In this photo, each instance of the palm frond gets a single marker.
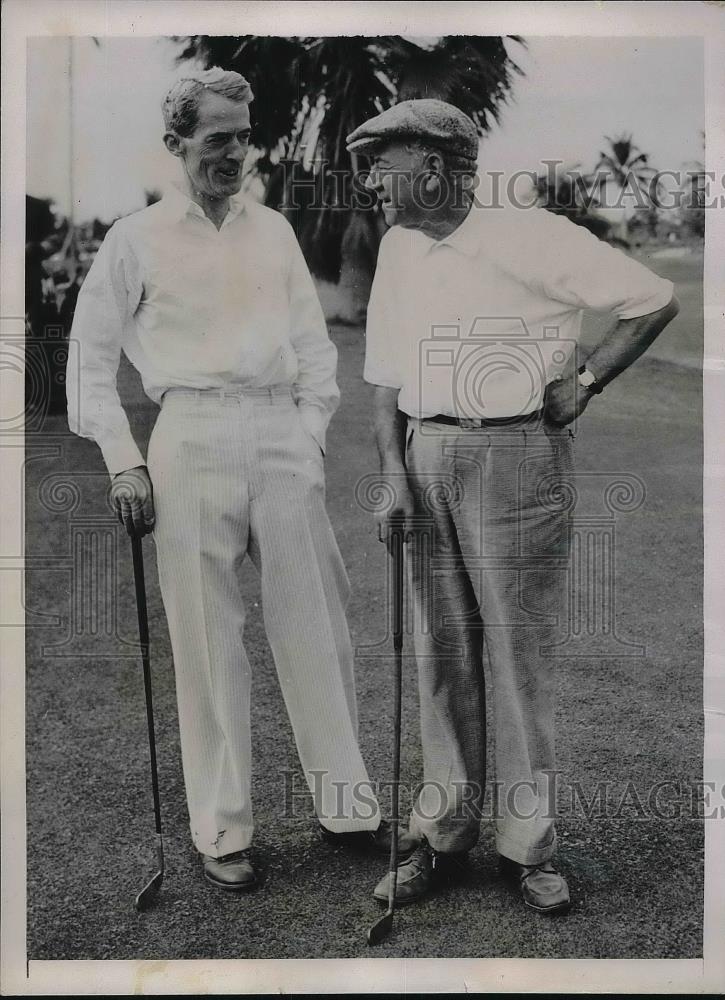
(473, 72)
(348, 79)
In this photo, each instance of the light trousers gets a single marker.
(488, 574)
(236, 473)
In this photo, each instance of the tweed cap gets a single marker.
(427, 120)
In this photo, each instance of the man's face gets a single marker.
(214, 154)
(395, 177)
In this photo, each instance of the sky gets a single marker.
(578, 90)
(575, 91)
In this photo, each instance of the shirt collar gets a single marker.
(178, 205)
(466, 238)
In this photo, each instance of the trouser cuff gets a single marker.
(353, 824)
(524, 854)
(448, 840)
(229, 843)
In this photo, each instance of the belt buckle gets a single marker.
(470, 423)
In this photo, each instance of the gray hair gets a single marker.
(455, 165)
(181, 105)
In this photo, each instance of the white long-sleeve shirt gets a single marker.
(196, 307)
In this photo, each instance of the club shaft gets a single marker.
(398, 583)
(143, 631)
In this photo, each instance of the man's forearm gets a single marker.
(390, 425)
(626, 341)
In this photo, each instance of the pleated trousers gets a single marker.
(488, 574)
(236, 474)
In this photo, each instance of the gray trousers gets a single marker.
(488, 568)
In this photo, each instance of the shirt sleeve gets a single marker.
(315, 389)
(107, 300)
(382, 331)
(577, 268)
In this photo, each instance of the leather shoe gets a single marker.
(375, 841)
(542, 887)
(417, 876)
(232, 872)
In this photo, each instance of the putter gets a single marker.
(147, 895)
(382, 927)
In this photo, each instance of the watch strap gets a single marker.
(591, 382)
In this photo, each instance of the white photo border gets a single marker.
(166, 17)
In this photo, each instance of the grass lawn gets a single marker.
(636, 880)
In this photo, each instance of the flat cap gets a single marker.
(427, 120)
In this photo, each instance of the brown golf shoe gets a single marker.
(542, 887)
(232, 872)
(373, 841)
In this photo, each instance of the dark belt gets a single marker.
(477, 423)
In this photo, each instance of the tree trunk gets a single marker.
(359, 253)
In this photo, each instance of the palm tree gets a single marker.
(626, 168)
(310, 93)
(572, 194)
(692, 211)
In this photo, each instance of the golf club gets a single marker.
(382, 927)
(147, 895)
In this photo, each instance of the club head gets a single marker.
(147, 895)
(381, 928)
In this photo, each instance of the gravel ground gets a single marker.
(636, 879)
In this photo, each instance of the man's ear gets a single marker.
(433, 171)
(434, 164)
(173, 143)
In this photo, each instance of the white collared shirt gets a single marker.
(196, 307)
(477, 324)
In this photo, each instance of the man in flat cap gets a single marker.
(209, 296)
(472, 326)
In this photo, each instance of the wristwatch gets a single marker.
(588, 381)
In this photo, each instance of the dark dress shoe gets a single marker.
(542, 887)
(232, 872)
(421, 872)
(415, 877)
(375, 841)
